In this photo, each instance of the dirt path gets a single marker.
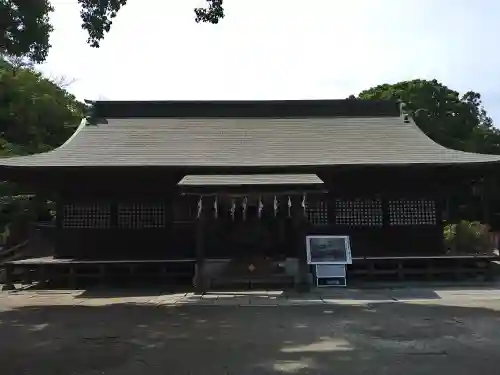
(131, 337)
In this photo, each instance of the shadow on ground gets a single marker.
(359, 294)
(383, 338)
(365, 291)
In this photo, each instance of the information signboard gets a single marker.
(328, 249)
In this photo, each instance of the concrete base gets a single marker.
(215, 271)
(495, 269)
(304, 286)
(292, 267)
(211, 269)
(7, 287)
(214, 267)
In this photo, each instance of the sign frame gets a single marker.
(347, 241)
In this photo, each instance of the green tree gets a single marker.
(25, 24)
(36, 114)
(455, 121)
(25, 28)
(452, 120)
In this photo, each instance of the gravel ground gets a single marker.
(62, 334)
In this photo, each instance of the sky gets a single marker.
(279, 49)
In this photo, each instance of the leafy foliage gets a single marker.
(211, 14)
(97, 17)
(468, 237)
(16, 213)
(35, 113)
(452, 120)
(26, 27)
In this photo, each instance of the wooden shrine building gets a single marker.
(201, 182)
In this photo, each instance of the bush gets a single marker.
(468, 237)
(17, 213)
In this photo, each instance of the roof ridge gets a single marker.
(244, 108)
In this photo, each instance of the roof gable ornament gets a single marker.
(91, 115)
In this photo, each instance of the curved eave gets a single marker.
(30, 161)
(247, 145)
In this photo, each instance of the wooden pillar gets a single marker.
(199, 277)
(58, 243)
(485, 188)
(113, 215)
(9, 283)
(72, 277)
(299, 224)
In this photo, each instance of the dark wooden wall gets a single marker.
(413, 228)
(399, 210)
(385, 211)
(157, 227)
(154, 228)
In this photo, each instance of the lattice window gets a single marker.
(412, 212)
(91, 215)
(359, 212)
(141, 215)
(317, 212)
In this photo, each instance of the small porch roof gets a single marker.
(255, 179)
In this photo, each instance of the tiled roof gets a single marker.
(253, 142)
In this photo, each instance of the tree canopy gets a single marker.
(26, 23)
(36, 114)
(452, 120)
